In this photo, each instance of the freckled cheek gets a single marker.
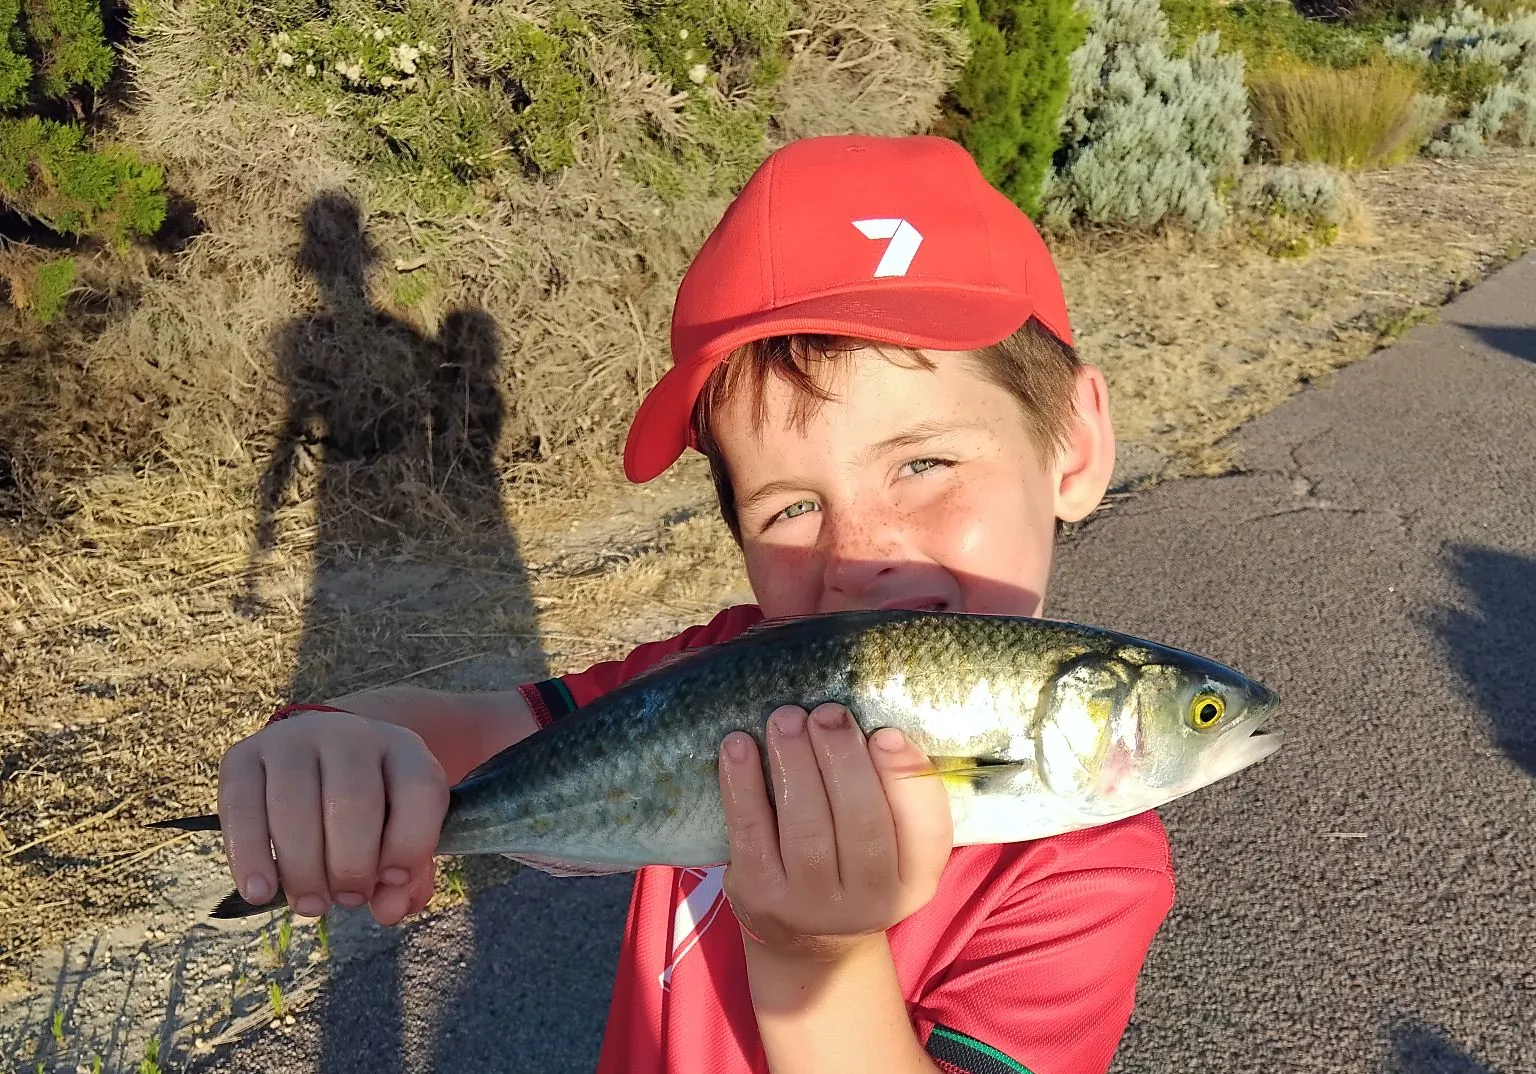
(785, 580)
(967, 529)
(994, 537)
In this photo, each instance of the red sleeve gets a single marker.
(583, 687)
(1047, 982)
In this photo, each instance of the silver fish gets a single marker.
(1037, 727)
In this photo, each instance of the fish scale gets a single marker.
(1037, 727)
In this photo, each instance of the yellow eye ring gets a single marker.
(1206, 711)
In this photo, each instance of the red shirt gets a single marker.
(1026, 959)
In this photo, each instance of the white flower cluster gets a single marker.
(361, 67)
(287, 47)
(404, 58)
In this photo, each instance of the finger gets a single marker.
(295, 815)
(861, 817)
(417, 792)
(352, 804)
(392, 902)
(243, 820)
(919, 809)
(422, 887)
(807, 843)
(751, 832)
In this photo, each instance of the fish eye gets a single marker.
(1206, 711)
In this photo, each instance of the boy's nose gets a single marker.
(859, 554)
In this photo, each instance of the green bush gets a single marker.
(554, 100)
(15, 68)
(47, 172)
(1269, 31)
(1461, 82)
(70, 37)
(1147, 136)
(51, 288)
(691, 42)
(1006, 106)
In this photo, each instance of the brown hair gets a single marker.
(1032, 365)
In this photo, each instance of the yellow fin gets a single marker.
(965, 771)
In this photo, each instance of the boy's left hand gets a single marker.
(854, 848)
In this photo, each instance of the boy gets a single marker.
(873, 351)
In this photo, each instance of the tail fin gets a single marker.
(233, 906)
(208, 822)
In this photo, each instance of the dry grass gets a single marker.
(575, 273)
(1372, 116)
(1505, 9)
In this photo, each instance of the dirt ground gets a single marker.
(136, 649)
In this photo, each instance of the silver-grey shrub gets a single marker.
(1468, 36)
(1146, 135)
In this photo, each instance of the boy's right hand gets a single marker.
(352, 807)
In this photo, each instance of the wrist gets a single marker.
(841, 1010)
(300, 706)
(811, 956)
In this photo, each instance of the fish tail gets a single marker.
(207, 822)
(234, 906)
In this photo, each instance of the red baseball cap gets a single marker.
(894, 240)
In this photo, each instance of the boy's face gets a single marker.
(910, 488)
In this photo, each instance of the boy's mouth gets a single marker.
(916, 604)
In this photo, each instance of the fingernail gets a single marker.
(395, 876)
(831, 716)
(736, 747)
(310, 906)
(790, 723)
(889, 739)
(256, 890)
(350, 899)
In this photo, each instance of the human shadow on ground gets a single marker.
(1494, 645)
(399, 431)
(1519, 342)
(1421, 1049)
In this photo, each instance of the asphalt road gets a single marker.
(1361, 902)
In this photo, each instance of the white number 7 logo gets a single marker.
(905, 239)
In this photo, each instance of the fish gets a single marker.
(1037, 727)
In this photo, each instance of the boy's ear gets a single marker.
(1087, 462)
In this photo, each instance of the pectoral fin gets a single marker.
(968, 773)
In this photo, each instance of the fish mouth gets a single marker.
(1259, 742)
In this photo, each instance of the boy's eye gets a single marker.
(798, 508)
(919, 465)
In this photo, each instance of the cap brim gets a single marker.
(936, 318)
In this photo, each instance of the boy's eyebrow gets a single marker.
(920, 433)
(768, 491)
